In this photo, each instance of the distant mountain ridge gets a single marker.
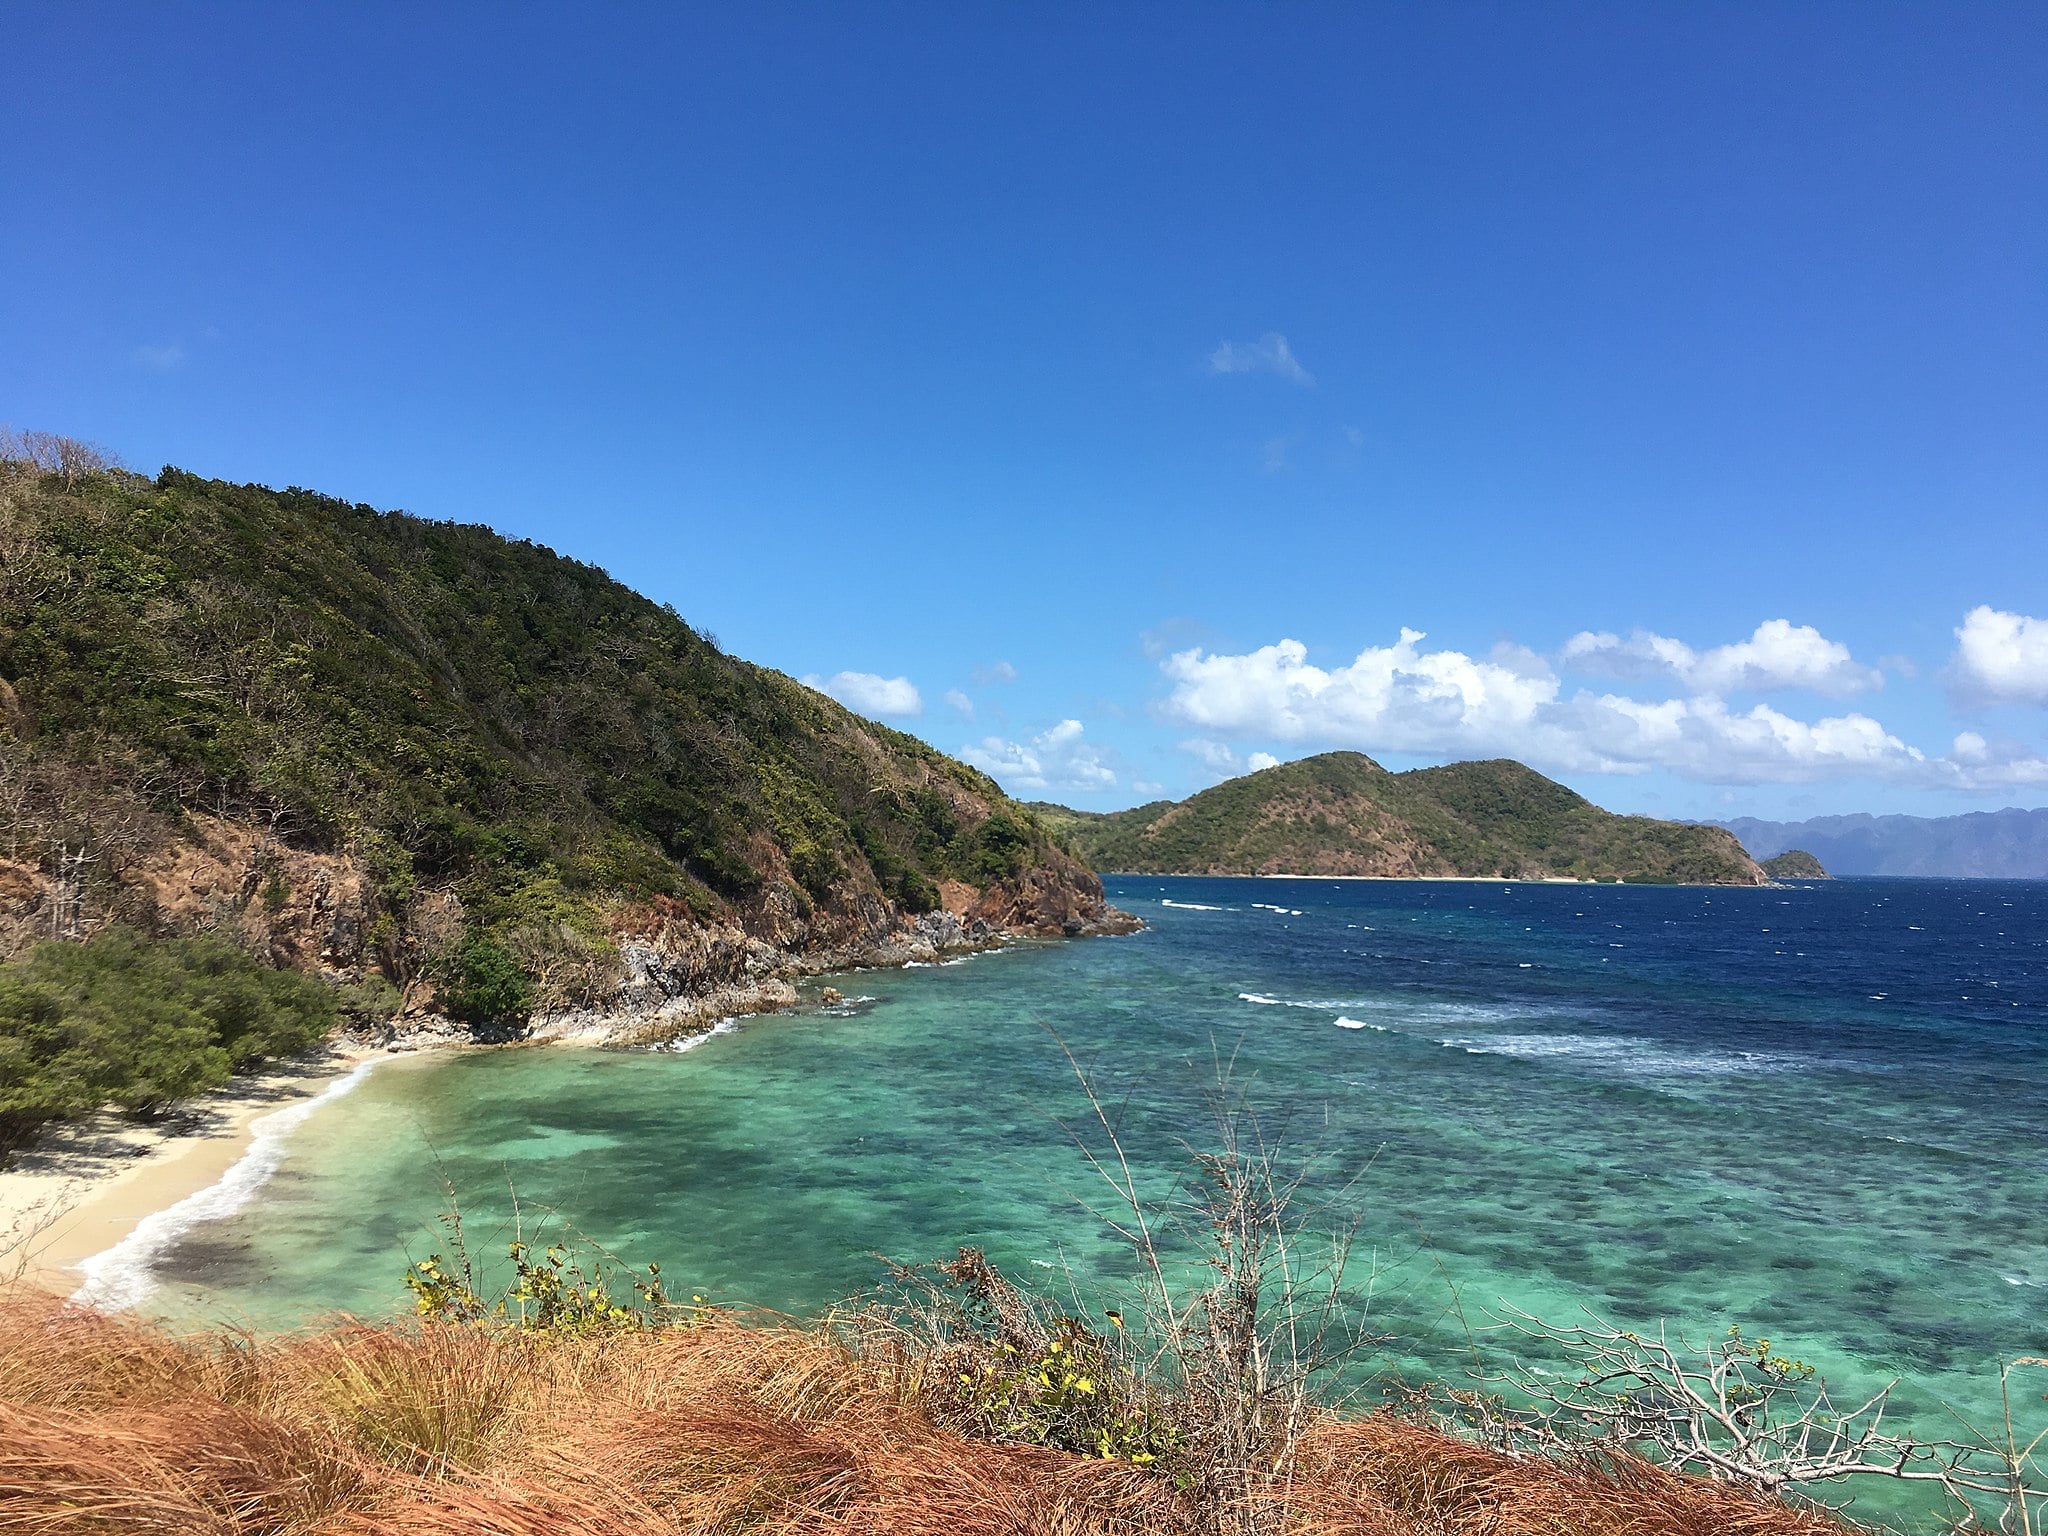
(2009, 844)
(1341, 813)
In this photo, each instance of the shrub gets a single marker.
(483, 984)
(140, 1024)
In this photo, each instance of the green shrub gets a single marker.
(140, 1024)
(482, 984)
(567, 1289)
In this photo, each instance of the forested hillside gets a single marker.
(375, 746)
(1341, 813)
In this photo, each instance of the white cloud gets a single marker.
(1269, 354)
(1403, 698)
(1780, 654)
(1277, 453)
(1983, 764)
(868, 694)
(1443, 703)
(995, 672)
(160, 359)
(1224, 762)
(960, 701)
(1056, 759)
(2001, 658)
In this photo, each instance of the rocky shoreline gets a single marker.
(669, 993)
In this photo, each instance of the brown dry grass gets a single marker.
(111, 1427)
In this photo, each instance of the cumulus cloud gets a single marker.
(1223, 761)
(1997, 765)
(1269, 354)
(960, 702)
(1057, 759)
(995, 672)
(1404, 698)
(1444, 703)
(1780, 654)
(867, 693)
(2001, 658)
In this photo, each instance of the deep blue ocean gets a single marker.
(1818, 1112)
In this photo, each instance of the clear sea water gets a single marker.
(1819, 1112)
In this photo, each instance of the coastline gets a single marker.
(85, 1189)
(1155, 874)
(86, 1209)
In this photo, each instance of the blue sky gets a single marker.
(1110, 393)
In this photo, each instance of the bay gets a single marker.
(1819, 1113)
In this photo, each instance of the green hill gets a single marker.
(1795, 864)
(373, 746)
(1341, 813)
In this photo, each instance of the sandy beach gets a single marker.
(84, 1188)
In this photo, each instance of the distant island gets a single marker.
(1795, 864)
(2009, 844)
(1341, 813)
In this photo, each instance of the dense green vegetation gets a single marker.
(430, 762)
(1341, 813)
(140, 1025)
(1795, 864)
(455, 709)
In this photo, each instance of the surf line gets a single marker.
(119, 1277)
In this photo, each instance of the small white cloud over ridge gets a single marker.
(2001, 658)
(1056, 759)
(1269, 354)
(1226, 763)
(1780, 654)
(867, 693)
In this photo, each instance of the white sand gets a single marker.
(83, 1190)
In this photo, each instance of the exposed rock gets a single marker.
(669, 974)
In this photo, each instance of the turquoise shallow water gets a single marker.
(1820, 1112)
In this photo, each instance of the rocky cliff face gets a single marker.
(655, 970)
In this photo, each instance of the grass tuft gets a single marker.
(110, 1427)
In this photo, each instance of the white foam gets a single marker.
(1192, 906)
(1320, 1004)
(121, 1276)
(1343, 1023)
(724, 1026)
(1628, 1055)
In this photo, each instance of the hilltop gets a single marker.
(451, 770)
(1341, 813)
(1795, 864)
